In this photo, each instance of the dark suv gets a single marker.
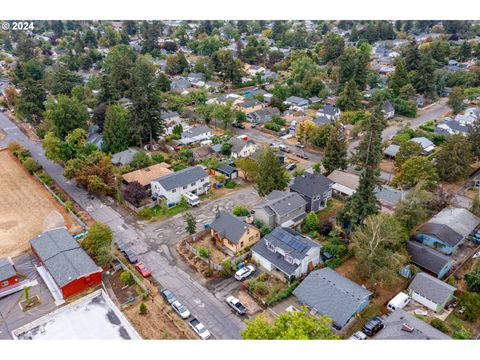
(373, 326)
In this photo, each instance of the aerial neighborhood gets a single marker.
(217, 179)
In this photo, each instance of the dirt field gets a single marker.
(26, 208)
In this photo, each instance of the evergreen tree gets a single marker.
(117, 129)
(270, 176)
(336, 149)
(455, 99)
(350, 99)
(423, 77)
(399, 77)
(363, 202)
(475, 209)
(412, 56)
(474, 138)
(30, 102)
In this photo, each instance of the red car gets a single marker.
(142, 269)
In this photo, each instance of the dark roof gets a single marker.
(6, 269)
(296, 100)
(291, 242)
(427, 258)
(330, 110)
(62, 256)
(196, 131)
(182, 177)
(229, 226)
(387, 107)
(226, 169)
(442, 232)
(249, 103)
(322, 120)
(329, 293)
(282, 202)
(311, 185)
(431, 288)
(421, 330)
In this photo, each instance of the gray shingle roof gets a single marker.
(426, 257)
(229, 226)
(62, 256)
(6, 269)
(250, 103)
(421, 330)
(391, 150)
(442, 232)
(182, 177)
(226, 169)
(239, 144)
(196, 131)
(290, 241)
(311, 184)
(459, 220)
(124, 157)
(332, 294)
(296, 100)
(282, 202)
(388, 195)
(423, 142)
(431, 288)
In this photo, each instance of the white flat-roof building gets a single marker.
(93, 317)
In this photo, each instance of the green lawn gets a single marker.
(333, 205)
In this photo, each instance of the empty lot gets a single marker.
(26, 208)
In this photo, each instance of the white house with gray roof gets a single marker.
(430, 292)
(281, 209)
(196, 134)
(172, 186)
(328, 293)
(287, 251)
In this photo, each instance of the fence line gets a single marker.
(72, 214)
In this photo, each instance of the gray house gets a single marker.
(417, 329)
(123, 157)
(315, 189)
(287, 251)
(329, 293)
(430, 292)
(281, 209)
(429, 259)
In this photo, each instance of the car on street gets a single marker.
(373, 326)
(168, 296)
(2, 109)
(300, 145)
(181, 309)
(236, 305)
(200, 329)
(283, 148)
(244, 272)
(302, 155)
(358, 335)
(143, 270)
(130, 255)
(254, 125)
(238, 125)
(290, 166)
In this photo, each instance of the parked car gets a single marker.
(244, 272)
(2, 109)
(283, 148)
(358, 335)
(168, 295)
(254, 125)
(130, 255)
(142, 269)
(238, 125)
(300, 145)
(236, 305)
(373, 326)
(302, 155)
(199, 328)
(181, 309)
(291, 166)
(120, 245)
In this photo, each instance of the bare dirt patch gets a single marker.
(26, 208)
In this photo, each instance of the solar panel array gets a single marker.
(290, 241)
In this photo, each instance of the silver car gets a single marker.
(181, 309)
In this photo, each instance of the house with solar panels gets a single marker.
(286, 251)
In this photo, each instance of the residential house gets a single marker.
(196, 134)
(171, 187)
(314, 100)
(263, 115)
(400, 325)
(8, 273)
(322, 120)
(124, 157)
(391, 151)
(345, 184)
(328, 293)
(281, 209)
(427, 145)
(226, 170)
(232, 233)
(213, 86)
(202, 152)
(64, 264)
(429, 259)
(329, 111)
(388, 197)
(287, 251)
(146, 175)
(196, 78)
(296, 101)
(242, 148)
(171, 119)
(94, 136)
(430, 292)
(450, 127)
(315, 189)
(388, 110)
(249, 106)
(253, 70)
(180, 85)
(447, 229)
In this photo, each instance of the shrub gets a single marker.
(134, 193)
(272, 126)
(99, 240)
(158, 158)
(473, 280)
(203, 252)
(127, 278)
(227, 268)
(325, 227)
(31, 165)
(240, 210)
(258, 224)
(265, 230)
(451, 280)
(282, 294)
(146, 213)
(439, 325)
(230, 184)
(277, 119)
(143, 309)
(471, 303)
(462, 335)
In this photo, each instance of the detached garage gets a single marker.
(65, 262)
(430, 292)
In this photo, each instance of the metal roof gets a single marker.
(6, 269)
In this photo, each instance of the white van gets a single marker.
(192, 199)
(398, 302)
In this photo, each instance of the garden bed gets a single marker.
(267, 289)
